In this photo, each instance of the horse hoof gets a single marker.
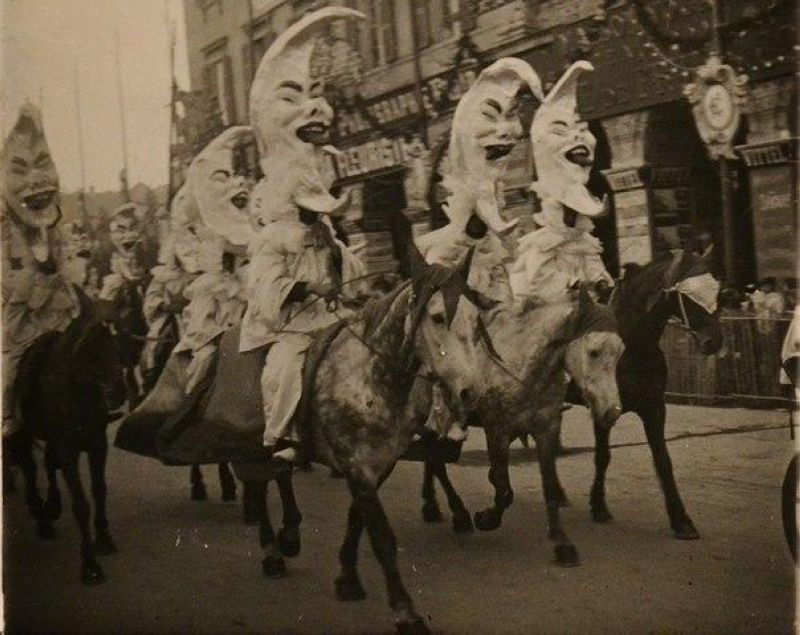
(431, 512)
(52, 507)
(104, 545)
(349, 590)
(487, 520)
(415, 627)
(274, 567)
(228, 495)
(686, 531)
(567, 555)
(92, 575)
(199, 493)
(45, 530)
(462, 523)
(289, 541)
(601, 515)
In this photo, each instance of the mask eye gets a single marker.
(437, 318)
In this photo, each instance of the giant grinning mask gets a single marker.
(124, 230)
(291, 117)
(486, 127)
(30, 179)
(222, 197)
(563, 147)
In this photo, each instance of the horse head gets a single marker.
(592, 353)
(445, 326)
(678, 286)
(92, 355)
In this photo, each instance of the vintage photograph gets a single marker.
(329, 316)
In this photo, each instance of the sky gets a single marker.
(45, 43)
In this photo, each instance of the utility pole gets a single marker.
(84, 213)
(121, 98)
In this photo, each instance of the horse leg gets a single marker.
(199, 492)
(462, 521)
(679, 520)
(104, 543)
(23, 453)
(52, 505)
(491, 517)
(91, 573)
(272, 565)
(430, 508)
(384, 545)
(547, 444)
(250, 504)
(348, 584)
(602, 457)
(289, 534)
(226, 482)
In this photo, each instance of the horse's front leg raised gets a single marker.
(602, 457)
(289, 535)
(547, 444)
(653, 419)
(348, 584)
(430, 506)
(91, 573)
(104, 543)
(491, 517)
(384, 545)
(21, 448)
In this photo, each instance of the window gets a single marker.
(263, 36)
(218, 83)
(377, 36)
(434, 20)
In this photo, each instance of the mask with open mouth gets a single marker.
(29, 174)
(77, 243)
(223, 197)
(563, 147)
(124, 230)
(486, 128)
(291, 117)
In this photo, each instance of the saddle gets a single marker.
(222, 420)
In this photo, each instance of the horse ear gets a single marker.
(708, 256)
(673, 272)
(416, 261)
(463, 270)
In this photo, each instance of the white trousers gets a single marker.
(282, 385)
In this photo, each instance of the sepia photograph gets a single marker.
(399, 316)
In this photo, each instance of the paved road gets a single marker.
(189, 567)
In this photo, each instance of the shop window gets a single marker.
(218, 83)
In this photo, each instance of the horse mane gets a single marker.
(378, 310)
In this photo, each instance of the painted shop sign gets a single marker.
(437, 97)
(370, 157)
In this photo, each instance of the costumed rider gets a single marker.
(486, 128)
(37, 298)
(77, 256)
(562, 251)
(211, 230)
(299, 271)
(127, 266)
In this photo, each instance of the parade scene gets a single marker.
(372, 316)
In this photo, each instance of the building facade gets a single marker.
(398, 77)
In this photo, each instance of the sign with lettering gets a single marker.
(370, 157)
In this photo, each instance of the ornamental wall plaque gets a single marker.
(718, 96)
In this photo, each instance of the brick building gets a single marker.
(418, 56)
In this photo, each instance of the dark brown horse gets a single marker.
(645, 300)
(67, 385)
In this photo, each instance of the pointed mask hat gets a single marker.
(563, 147)
(30, 180)
(485, 130)
(222, 197)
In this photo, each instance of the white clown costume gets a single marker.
(127, 266)
(37, 298)
(211, 229)
(562, 251)
(297, 265)
(486, 127)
